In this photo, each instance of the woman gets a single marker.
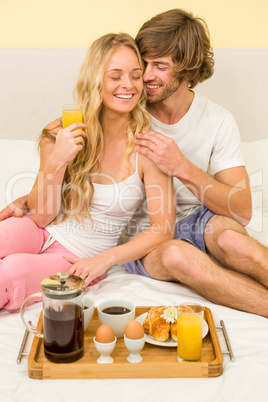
(90, 182)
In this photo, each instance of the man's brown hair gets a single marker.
(185, 37)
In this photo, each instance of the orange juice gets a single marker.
(190, 327)
(71, 115)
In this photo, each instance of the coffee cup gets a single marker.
(116, 313)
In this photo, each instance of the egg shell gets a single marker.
(134, 330)
(105, 334)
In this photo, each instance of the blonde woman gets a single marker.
(90, 183)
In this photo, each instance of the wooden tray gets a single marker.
(158, 361)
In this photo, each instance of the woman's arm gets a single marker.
(161, 210)
(44, 200)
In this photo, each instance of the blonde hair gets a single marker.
(77, 190)
(184, 37)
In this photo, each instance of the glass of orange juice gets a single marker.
(189, 332)
(71, 114)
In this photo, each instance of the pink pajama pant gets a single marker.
(22, 267)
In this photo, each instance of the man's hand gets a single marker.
(162, 150)
(18, 208)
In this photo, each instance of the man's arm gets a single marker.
(227, 194)
(17, 208)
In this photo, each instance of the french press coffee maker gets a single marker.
(63, 323)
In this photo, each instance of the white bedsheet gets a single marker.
(245, 379)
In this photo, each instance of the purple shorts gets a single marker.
(190, 229)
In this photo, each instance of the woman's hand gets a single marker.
(87, 268)
(69, 141)
(17, 208)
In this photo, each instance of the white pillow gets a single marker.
(19, 163)
(256, 154)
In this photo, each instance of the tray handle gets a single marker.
(21, 351)
(227, 341)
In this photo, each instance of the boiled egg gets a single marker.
(105, 334)
(134, 330)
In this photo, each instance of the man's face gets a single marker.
(159, 78)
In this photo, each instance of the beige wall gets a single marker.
(76, 23)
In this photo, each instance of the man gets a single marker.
(199, 146)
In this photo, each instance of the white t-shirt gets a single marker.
(209, 138)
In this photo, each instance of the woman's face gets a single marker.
(122, 82)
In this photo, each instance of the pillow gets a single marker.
(19, 163)
(255, 154)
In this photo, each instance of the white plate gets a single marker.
(169, 342)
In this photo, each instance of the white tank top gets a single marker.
(113, 205)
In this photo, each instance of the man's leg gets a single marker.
(230, 245)
(178, 260)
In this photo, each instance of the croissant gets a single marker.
(160, 329)
(173, 331)
(155, 325)
(151, 313)
(146, 325)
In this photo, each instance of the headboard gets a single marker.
(34, 83)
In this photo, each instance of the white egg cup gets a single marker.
(105, 349)
(134, 346)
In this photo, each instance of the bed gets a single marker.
(34, 83)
